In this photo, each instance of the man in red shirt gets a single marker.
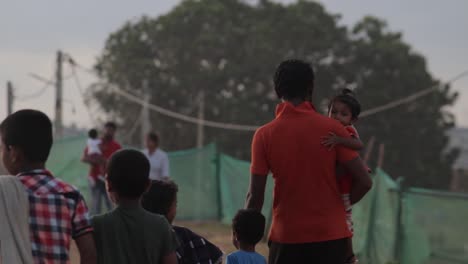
(97, 167)
(309, 222)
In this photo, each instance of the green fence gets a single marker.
(392, 225)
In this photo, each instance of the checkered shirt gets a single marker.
(57, 213)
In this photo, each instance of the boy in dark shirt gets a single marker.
(130, 234)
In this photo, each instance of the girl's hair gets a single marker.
(348, 98)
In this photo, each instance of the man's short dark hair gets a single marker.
(249, 226)
(92, 133)
(111, 124)
(153, 136)
(160, 196)
(128, 172)
(294, 79)
(29, 130)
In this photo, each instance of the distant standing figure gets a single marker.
(157, 158)
(108, 147)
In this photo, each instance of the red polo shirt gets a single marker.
(108, 148)
(307, 205)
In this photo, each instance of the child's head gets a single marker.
(162, 199)
(127, 175)
(26, 138)
(92, 133)
(345, 108)
(152, 140)
(247, 227)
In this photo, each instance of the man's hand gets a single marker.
(362, 183)
(331, 140)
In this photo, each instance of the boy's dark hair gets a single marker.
(128, 172)
(348, 98)
(31, 131)
(153, 136)
(160, 196)
(294, 79)
(111, 124)
(249, 226)
(92, 133)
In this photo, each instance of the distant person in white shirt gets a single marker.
(158, 159)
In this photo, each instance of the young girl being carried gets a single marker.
(345, 108)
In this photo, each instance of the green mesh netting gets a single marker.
(442, 226)
(65, 162)
(414, 226)
(235, 176)
(376, 224)
(195, 173)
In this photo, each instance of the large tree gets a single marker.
(226, 51)
(385, 69)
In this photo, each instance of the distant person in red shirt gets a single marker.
(309, 221)
(97, 186)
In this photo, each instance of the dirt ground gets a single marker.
(215, 232)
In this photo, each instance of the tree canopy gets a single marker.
(227, 51)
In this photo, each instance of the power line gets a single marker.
(242, 127)
(409, 98)
(80, 89)
(176, 115)
(41, 91)
(132, 130)
(164, 111)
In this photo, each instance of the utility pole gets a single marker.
(201, 116)
(455, 182)
(380, 161)
(145, 113)
(59, 97)
(10, 98)
(369, 149)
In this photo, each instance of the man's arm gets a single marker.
(87, 249)
(256, 193)
(362, 182)
(171, 258)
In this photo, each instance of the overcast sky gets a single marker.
(32, 31)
